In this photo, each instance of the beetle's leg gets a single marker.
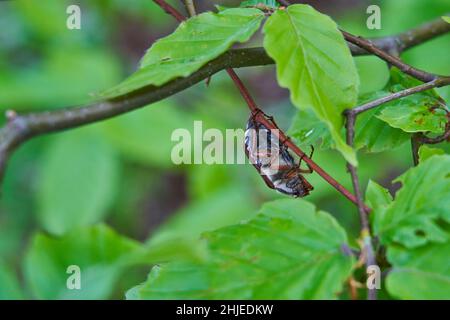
(268, 182)
(286, 138)
(312, 151)
(309, 170)
(256, 112)
(281, 168)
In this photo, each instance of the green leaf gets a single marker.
(377, 198)
(421, 273)
(446, 19)
(9, 284)
(195, 42)
(78, 181)
(100, 253)
(315, 63)
(307, 129)
(421, 112)
(405, 114)
(426, 152)
(376, 135)
(288, 251)
(412, 219)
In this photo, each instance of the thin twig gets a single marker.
(190, 7)
(170, 10)
(415, 145)
(426, 140)
(391, 59)
(282, 137)
(400, 94)
(363, 214)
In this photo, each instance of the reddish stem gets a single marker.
(170, 10)
(260, 116)
(282, 137)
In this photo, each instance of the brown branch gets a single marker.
(391, 59)
(422, 139)
(23, 127)
(170, 10)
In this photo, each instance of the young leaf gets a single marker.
(288, 251)
(377, 198)
(68, 199)
(376, 135)
(307, 129)
(315, 63)
(195, 42)
(420, 273)
(426, 152)
(446, 19)
(411, 219)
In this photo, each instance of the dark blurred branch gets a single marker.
(408, 39)
(19, 128)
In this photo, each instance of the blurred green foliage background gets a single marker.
(119, 171)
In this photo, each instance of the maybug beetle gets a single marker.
(272, 159)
